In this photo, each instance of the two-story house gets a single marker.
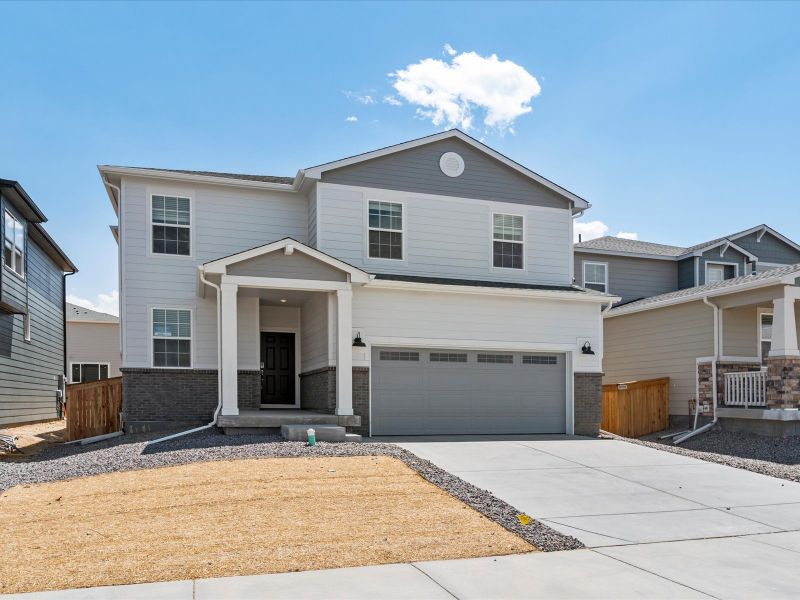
(92, 345)
(32, 300)
(719, 318)
(422, 288)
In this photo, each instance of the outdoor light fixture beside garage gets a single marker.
(587, 348)
(357, 342)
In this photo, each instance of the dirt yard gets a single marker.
(33, 438)
(237, 517)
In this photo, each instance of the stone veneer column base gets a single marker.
(588, 403)
(160, 399)
(783, 382)
(318, 393)
(705, 379)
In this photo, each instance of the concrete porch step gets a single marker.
(277, 418)
(323, 433)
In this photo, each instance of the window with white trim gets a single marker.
(595, 276)
(14, 244)
(171, 225)
(507, 241)
(765, 321)
(172, 337)
(385, 230)
(715, 273)
(86, 372)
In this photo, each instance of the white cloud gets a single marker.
(392, 100)
(362, 98)
(595, 229)
(105, 303)
(452, 92)
(589, 231)
(449, 50)
(352, 119)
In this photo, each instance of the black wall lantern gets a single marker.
(587, 348)
(357, 342)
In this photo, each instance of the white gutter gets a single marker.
(219, 369)
(714, 390)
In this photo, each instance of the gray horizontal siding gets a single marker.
(632, 278)
(731, 256)
(686, 270)
(29, 370)
(417, 170)
(770, 249)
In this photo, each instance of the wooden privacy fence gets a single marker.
(93, 408)
(636, 408)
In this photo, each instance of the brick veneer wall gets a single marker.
(318, 392)
(705, 378)
(588, 403)
(783, 382)
(180, 395)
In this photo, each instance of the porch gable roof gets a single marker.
(288, 246)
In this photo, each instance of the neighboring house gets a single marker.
(421, 288)
(92, 345)
(633, 269)
(32, 327)
(739, 321)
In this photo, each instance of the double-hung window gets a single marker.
(507, 241)
(14, 244)
(172, 337)
(765, 335)
(385, 230)
(595, 276)
(171, 225)
(715, 273)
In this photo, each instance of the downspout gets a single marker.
(714, 386)
(219, 368)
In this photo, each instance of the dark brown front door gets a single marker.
(277, 368)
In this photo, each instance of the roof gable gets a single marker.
(419, 159)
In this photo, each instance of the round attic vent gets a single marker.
(451, 164)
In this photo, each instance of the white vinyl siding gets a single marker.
(224, 220)
(445, 236)
(94, 342)
(14, 244)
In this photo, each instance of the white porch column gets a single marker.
(230, 360)
(784, 324)
(344, 352)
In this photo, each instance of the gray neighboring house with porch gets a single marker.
(423, 288)
(32, 301)
(719, 318)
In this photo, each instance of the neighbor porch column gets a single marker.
(230, 360)
(344, 352)
(784, 325)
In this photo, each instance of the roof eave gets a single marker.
(213, 180)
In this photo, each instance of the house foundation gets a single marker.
(588, 403)
(318, 393)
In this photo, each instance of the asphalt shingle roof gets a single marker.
(487, 284)
(710, 287)
(243, 176)
(616, 244)
(79, 313)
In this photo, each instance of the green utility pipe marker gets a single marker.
(312, 437)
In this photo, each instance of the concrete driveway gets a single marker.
(718, 530)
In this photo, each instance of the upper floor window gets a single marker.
(172, 337)
(171, 222)
(14, 244)
(595, 276)
(507, 241)
(385, 230)
(720, 272)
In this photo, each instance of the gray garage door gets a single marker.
(422, 391)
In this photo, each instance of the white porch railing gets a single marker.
(745, 389)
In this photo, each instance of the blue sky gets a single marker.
(678, 121)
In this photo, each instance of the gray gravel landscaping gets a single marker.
(129, 453)
(777, 457)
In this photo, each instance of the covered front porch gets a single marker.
(755, 373)
(285, 336)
